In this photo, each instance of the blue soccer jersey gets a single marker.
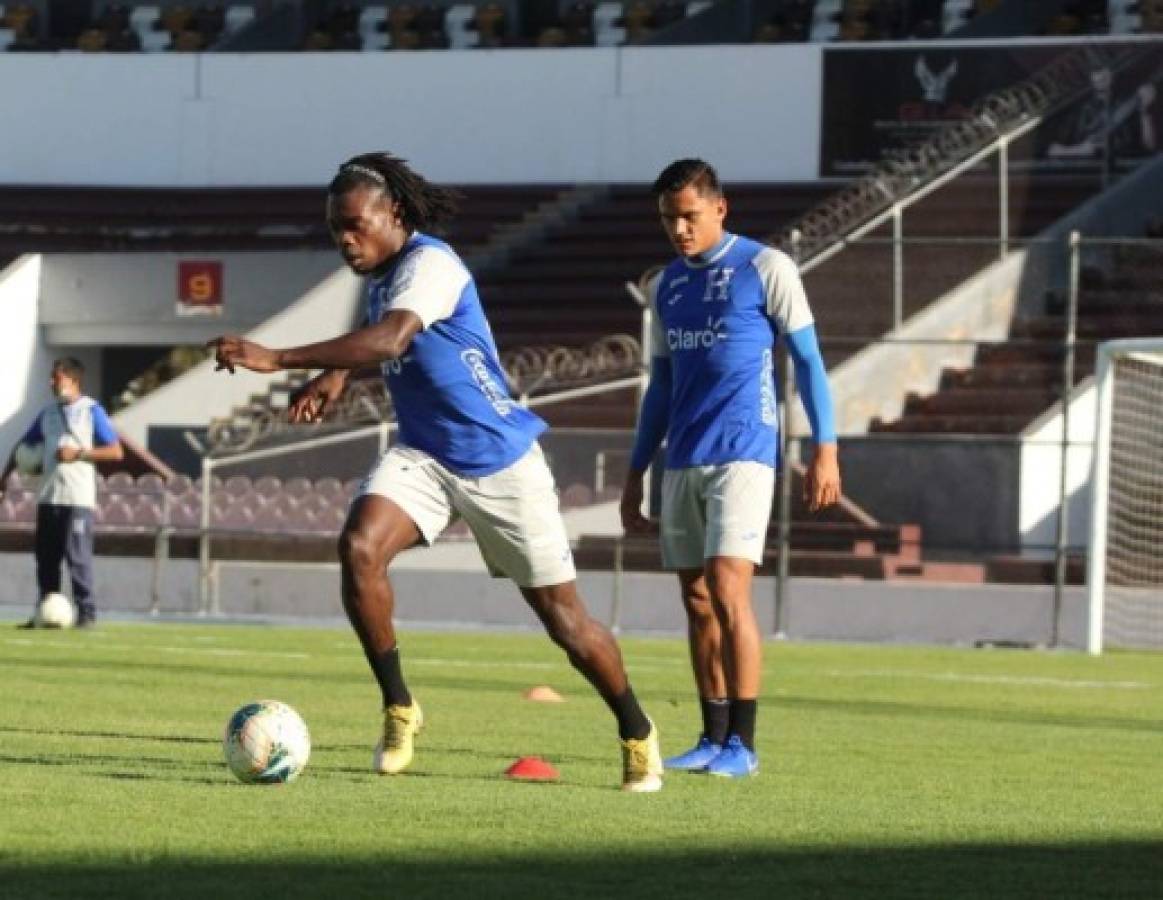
(449, 390)
(716, 321)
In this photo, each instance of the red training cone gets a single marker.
(531, 768)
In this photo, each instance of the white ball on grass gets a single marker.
(266, 742)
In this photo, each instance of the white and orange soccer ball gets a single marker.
(266, 742)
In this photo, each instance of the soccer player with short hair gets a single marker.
(719, 309)
(466, 448)
(74, 432)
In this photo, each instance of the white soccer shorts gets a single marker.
(715, 511)
(513, 514)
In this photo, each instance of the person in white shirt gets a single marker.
(74, 433)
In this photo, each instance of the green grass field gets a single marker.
(886, 772)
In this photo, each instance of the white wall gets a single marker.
(24, 387)
(130, 298)
(575, 115)
(1041, 472)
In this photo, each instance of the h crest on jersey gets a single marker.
(718, 285)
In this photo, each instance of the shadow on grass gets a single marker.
(119, 735)
(956, 872)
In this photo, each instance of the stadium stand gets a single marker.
(173, 25)
(59, 219)
(265, 518)
(1011, 383)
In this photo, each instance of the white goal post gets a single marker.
(1125, 553)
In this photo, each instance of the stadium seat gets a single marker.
(237, 487)
(553, 36)
(92, 40)
(636, 20)
(267, 487)
(175, 19)
(151, 483)
(235, 517)
(297, 488)
(147, 511)
(489, 23)
(120, 481)
(114, 17)
(116, 513)
(330, 489)
(607, 31)
(238, 16)
(186, 514)
(189, 42)
(457, 22)
(21, 18)
(373, 25)
(825, 21)
(954, 14)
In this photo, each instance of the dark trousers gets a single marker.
(65, 534)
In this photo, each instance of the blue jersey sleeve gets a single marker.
(35, 434)
(104, 434)
(812, 383)
(654, 416)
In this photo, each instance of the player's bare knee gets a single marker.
(728, 585)
(358, 552)
(562, 613)
(698, 605)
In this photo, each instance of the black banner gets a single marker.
(879, 100)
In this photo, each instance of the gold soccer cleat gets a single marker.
(642, 764)
(394, 751)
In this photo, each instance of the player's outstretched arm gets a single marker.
(367, 346)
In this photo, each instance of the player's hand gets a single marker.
(231, 350)
(631, 507)
(822, 480)
(67, 453)
(310, 402)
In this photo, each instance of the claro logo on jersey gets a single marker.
(697, 338)
(475, 361)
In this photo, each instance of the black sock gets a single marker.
(387, 669)
(715, 716)
(742, 721)
(632, 721)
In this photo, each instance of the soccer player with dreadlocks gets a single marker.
(466, 448)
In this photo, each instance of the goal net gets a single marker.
(1125, 565)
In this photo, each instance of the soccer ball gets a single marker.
(55, 611)
(29, 458)
(266, 742)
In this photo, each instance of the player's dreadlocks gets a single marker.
(682, 172)
(422, 204)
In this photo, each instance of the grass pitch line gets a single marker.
(1017, 680)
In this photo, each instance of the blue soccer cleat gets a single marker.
(695, 759)
(735, 761)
